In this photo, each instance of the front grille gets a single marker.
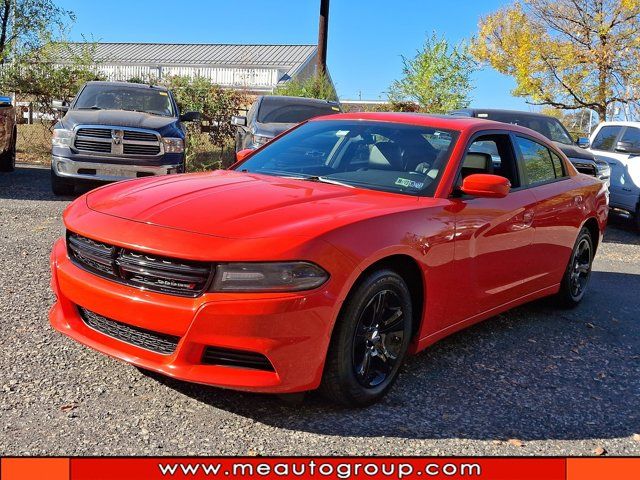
(117, 141)
(586, 168)
(236, 358)
(128, 149)
(141, 270)
(140, 337)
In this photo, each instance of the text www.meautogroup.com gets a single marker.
(312, 468)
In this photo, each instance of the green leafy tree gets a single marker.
(27, 25)
(37, 75)
(316, 86)
(217, 105)
(568, 54)
(438, 78)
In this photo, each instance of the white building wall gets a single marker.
(258, 78)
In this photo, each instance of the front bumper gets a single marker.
(107, 172)
(291, 330)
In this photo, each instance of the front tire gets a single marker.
(369, 342)
(576, 278)
(60, 186)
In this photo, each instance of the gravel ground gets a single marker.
(535, 381)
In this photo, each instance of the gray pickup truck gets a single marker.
(116, 130)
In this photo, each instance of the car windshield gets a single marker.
(549, 127)
(122, 97)
(375, 155)
(286, 110)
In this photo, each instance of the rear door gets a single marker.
(557, 212)
(493, 235)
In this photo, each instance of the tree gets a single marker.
(316, 86)
(568, 54)
(26, 25)
(37, 76)
(438, 78)
(217, 105)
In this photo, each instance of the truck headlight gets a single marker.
(61, 137)
(259, 140)
(268, 277)
(173, 145)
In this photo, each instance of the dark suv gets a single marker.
(584, 161)
(270, 115)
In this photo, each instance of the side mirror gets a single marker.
(239, 121)
(583, 142)
(60, 105)
(486, 185)
(627, 147)
(242, 154)
(190, 117)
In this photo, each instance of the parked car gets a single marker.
(324, 257)
(618, 143)
(584, 161)
(270, 115)
(116, 130)
(8, 135)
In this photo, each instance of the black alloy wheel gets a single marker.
(369, 341)
(576, 278)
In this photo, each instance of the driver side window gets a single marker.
(492, 154)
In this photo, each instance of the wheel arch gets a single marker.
(409, 269)
(593, 226)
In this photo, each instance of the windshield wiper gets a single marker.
(93, 107)
(319, 179)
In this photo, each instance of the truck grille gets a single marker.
(117, 141)
(236, 358)
(586, 168)
(141, 270)
(139, 337)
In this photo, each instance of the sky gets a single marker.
(367, 38)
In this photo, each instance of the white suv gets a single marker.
(618, 143)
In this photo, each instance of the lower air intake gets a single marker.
(236, 358)
(139, 337)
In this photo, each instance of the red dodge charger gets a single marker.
(321, 259)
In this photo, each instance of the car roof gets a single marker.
(519, 113)
(284, 99)
(620, 123)
(128, 84)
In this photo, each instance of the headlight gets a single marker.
(268, 277)
(61, 137)
(259, 140)
(173, 145)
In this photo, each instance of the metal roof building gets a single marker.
(257, 68)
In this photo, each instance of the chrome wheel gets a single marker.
(580, 268)
(378, 339)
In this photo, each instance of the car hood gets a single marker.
(573, 151)
(243, 205)
(116, 118)
(272, 129)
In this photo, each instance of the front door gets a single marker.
(493, 235)
(625, 168)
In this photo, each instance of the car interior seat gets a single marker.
(476, 162)
(385, 156)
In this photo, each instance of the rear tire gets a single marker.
(576, 278)
(369, 342)
(8, 158)
(60, 186)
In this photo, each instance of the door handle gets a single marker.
(527, 217)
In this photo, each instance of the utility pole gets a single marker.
(323, 31)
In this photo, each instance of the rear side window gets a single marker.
(606, 137)
(632, 136)
(538, 162)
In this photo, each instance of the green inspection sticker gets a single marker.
(405, 182)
